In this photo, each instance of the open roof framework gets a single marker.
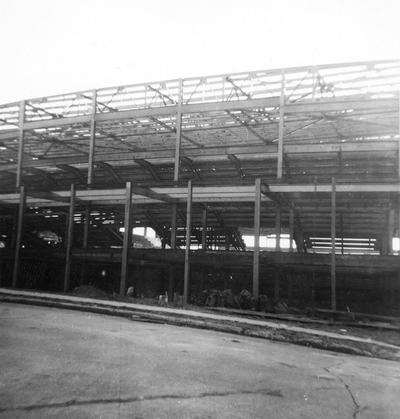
(303, 131)
(294, 128)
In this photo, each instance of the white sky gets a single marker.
(56, 46)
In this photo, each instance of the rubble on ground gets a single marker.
(243, 301)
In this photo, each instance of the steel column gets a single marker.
(281, 127)
(204, 229)
(178, 132)
(278, 228)
(127, 239)
(187, 243)
(92, 144)
(85, 241)
(18, 236)
(390, 230)
(70, 238)
(333, 244)
(171, 278)
(291, 229)
(256, 252)
(21, 121)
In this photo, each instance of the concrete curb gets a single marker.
(218, 322)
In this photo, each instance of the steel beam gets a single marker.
(243, 152)
(149, 167)
(110, 170)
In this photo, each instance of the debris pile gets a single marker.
(244, 301)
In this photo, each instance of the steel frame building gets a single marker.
(309, 151)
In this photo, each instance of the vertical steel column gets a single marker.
(86, 227)
(173, 226)
(173, 247)
(256, 252)
(21, 120)
(92, 144)
(204, 229)
(178, 132)
(70, 238)
(341, 233)
(177, 163)
(18, 236)
(385, 234)
(291, 229)
(390, 230)
(333, 244)
(187, 243)
(281, 127)
(127, 239)
(85, 241)
(278, 218)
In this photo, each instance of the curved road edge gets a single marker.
(280, 332)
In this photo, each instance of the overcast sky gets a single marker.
(56, 46)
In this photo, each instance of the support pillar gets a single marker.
(204, 229)
(18, 235)
(178, 132)
(187, 243)
(256, 252)
(341, 233)
(291, 229)
(70, 238)
(281, 127)
(85, 242)
(127, 239)
(333, 245)
(21, 140)
(171, 276)
(92, 141)
(390, 230)
(278, 229)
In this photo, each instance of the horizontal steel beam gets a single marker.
(245, 152)
(326, 105)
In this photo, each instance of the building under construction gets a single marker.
(283, 182)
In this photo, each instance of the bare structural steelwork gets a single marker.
(310, 151)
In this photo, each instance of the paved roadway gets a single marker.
(68, 364)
